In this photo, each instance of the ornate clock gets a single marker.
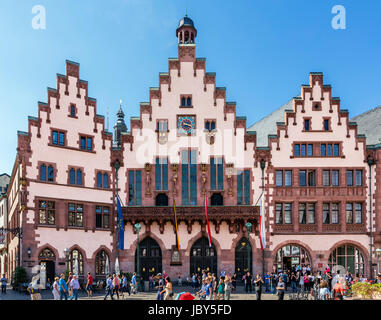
(186, 124)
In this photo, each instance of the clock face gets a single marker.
(186, 124)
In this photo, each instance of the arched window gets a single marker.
(186, 37)
(72, 176)
(183, 102)
(349, 257)
(79, 177)
(72, 111)
(43, 172)
(105, 180)
(101, 263)
(189, 102)
(76, 261)
(99, 180)
(50, 174)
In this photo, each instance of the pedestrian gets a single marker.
(89, 286)
(280, 289)
(338, 290)
(4, 281)
(168, 294)
(55, 289)
(228, 287)
(258, 282)
(234, 282)
(209, 289)
(378, 279)
(293, 282)
(63, 288)
(109, 287)
(69, 279)
(305, 282)
(134, 284)
(34, 290)
(202, 292)
(194, 281)
(248, 281)
(179, 281)
(115, 284)
(160, 287)
(125, 286)
(215, 283)
(74, 285)
(221, 289)
(323, 291)
(267, 282)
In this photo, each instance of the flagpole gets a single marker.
(117, 166)
(263, 164)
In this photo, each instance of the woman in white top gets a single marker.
(56, 293)
(168, 290)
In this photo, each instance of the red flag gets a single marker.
(207, 222)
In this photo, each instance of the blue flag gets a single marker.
(121, 225)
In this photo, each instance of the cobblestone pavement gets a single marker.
(98, 295)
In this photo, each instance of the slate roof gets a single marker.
(267, 125)
(369, 123)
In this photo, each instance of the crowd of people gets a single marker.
(321, 285)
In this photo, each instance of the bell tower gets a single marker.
(186, 32)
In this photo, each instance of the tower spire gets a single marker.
(120, 126)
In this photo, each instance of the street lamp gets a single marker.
(29, 251)
(138, 226)
(378, 254)
(248, 226)
(371, 162)
(66, 253)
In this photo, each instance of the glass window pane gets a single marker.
(311, 213)
(43, 172)
(62, 139)
(131, 188)
(349, 211)
(165, 173)
(83, 143)
(329, 150)
(72, 176)
(220, 170)
(138, 187)
(322, 150)
(79, 177)
(240, 187)
(50, 174)
(358, 177)
(302, 213)
(310, 150)
(278, 213)
(288, 178)
(336, 152)
(335, 177)
(99, 180)
(296, 150)
(326, 174)
(349, 177)
(279, 178)
(89, 143)
(303, 150)
(105, 180)
(288, 213)
(193, 178)
(55, 137)
(247, 187)
(213, 177)
(157, 174)
(302, 178)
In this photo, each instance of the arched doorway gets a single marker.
(203, 257)
(243, 258)
(290, 257)
(47, 260)
(217, 199)
(161, 200)
(150, 258)
(348, 256)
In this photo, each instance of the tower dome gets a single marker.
(186, 32)
(119, 127)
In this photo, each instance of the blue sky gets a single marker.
(262, 51)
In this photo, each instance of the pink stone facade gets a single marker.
(69, 137)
